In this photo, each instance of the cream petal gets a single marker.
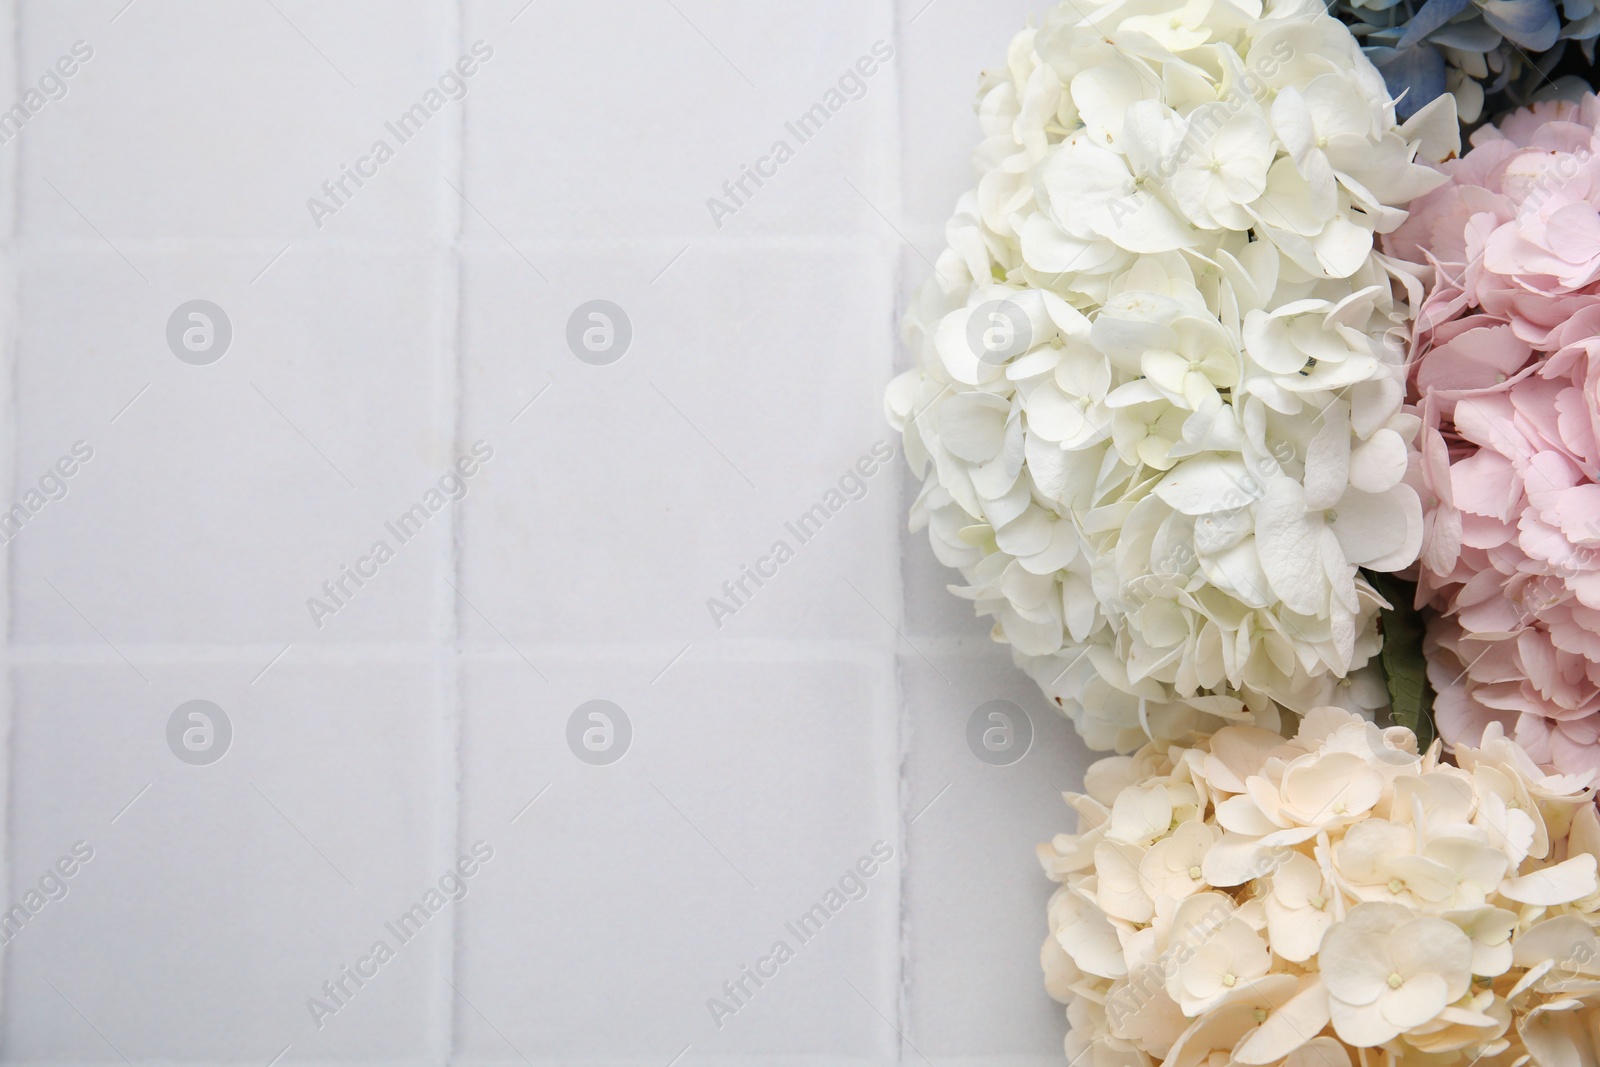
(1092, 942)
(1330, 785)
(1361, 1025)
(1433, 946)
(1286, 1029)
(1234, 860)
(1418, 1000)
(1296, 934)
(1363, 854)
(1120, 887)
(1140, 815)
(1319, 1052)
(1354, 959)
(1241, 815)
(1555, 1035)
(1562, 883)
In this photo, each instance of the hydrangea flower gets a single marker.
(1157, 404)
(1349, 900)
(1509, 390)
(1489, 54)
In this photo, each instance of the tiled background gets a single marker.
(430, 712)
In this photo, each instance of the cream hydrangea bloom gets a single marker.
(1157, 405)
(1345, 897)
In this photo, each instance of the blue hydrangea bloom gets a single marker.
(1491, 54)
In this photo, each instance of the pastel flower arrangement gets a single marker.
(1265, 426)
(1325, 899)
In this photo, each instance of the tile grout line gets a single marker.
(11, 339)
(740, 650)
(454, 331)
(903, 724)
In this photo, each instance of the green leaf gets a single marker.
(1404, 669)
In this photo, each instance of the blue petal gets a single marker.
(1470, 35)
(1584, 29)
(1413, 76)
(1530, 24)
(1434, 13)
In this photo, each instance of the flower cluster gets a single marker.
(1158, 399)
(1504, 50)
(1508, 386)
(1261, 900)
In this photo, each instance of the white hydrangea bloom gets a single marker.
(1332, 898)
(1158, 397)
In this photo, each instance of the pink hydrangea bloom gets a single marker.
(1506, 380)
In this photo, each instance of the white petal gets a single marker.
(1266, 338)
(973, 425)
(1046, 247)
(1378, 464)
(1141, 223)
(956, 351)
(1342, 247)
(1103, 95)
(1054, 416)
(1328, 458)
(1289, 542)
(1291, 119)
(1411, 544)
(1208, 484)
(1375, 526)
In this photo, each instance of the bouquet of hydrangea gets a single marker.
(1326, 899)
(1158, 401)
(1268, 433)
(1507, 382)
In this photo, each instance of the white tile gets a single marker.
(767, 754)
(620, 502)
(226, 894)
(945, 45)
(220, 121)
(975, 895)
(630, 892)
(616, 120)
(219, 502)
(10, 78)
